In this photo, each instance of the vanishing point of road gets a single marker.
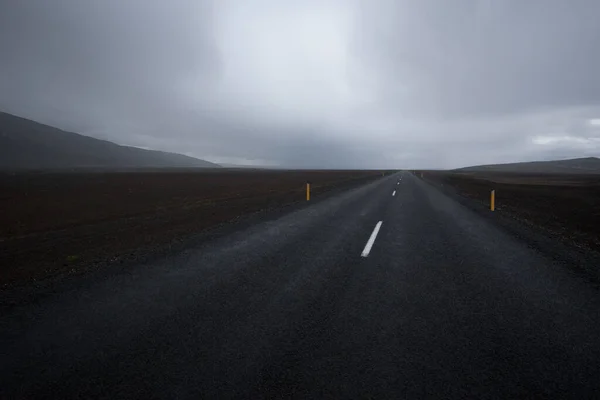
(388, 290)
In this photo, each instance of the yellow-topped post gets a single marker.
(493, 200)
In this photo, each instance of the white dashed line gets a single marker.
(369, 245)
(393, 194)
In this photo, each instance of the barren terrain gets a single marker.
(53, 223)
(567, 206)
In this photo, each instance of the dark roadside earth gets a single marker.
(54, 225)
(565, 208)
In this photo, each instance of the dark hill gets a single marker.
(589, 165)
(25, 144)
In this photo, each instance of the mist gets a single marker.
(312, 84)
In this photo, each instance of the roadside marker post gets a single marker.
(493, 200)
(307, 191)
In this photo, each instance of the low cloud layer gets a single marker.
(323, 84)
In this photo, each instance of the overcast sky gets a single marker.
(312, 83)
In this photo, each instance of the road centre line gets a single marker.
(371, 240)
(393, 194)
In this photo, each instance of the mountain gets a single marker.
(589, 165)
(25, 144)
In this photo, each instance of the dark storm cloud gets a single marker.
(102, 59)
(331, 83)
(147, 73)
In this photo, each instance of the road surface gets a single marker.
(390, 290)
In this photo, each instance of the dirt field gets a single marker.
(55, 223)
(566, 206)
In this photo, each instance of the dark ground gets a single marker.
(565, 206)
(448, 305)
(57, 223)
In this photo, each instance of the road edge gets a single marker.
(17, 295)
(584, 262)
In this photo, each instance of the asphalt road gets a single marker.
(444, 305)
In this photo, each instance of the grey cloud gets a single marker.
(100, 60)
(323, 84)
(484, 57)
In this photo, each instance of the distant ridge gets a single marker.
(588, 165)
(29, 145)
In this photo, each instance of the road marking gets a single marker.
(367, 249)
(393, 194)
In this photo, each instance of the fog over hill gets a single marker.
(588, 165)
(26, 144)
